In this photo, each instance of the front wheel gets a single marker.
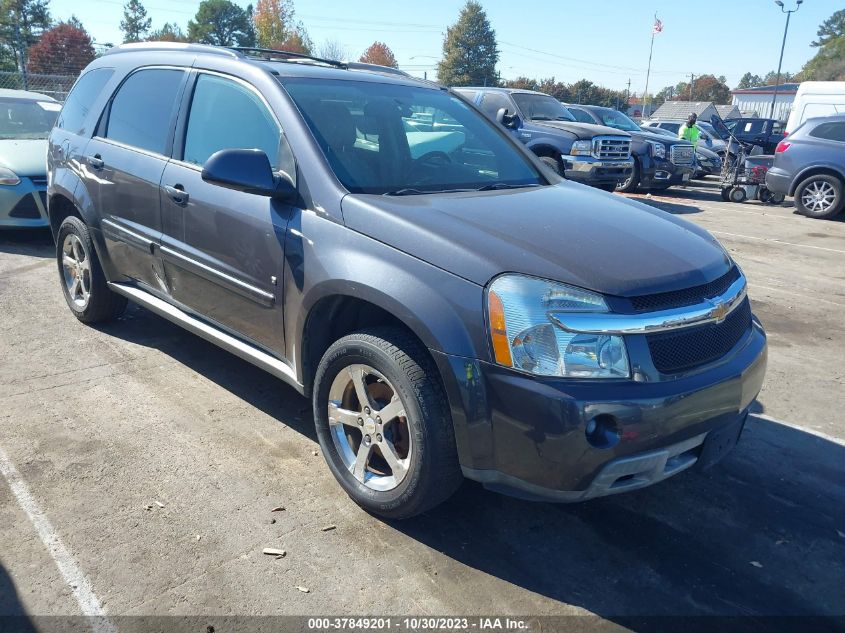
(630, 184)
(552, 163)
(383, 423)
(819, 196)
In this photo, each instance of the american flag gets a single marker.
(658, 26)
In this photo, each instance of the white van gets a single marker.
(816, 98)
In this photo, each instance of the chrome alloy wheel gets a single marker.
(818, 196)
(369, 427)
(76, 268)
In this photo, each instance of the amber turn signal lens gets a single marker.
(498, 332)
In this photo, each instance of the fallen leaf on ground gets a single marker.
(278, 509)
(272, 551)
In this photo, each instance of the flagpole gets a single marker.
(648, 72)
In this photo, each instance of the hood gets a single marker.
(582, 130)
(660, 138)
(566, 232)
(25, 157)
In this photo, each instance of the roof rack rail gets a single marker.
(171, 46)
(272, 54)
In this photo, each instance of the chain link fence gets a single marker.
(56, 86)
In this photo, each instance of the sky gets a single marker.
(605, 41)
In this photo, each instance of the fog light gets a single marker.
(603, 431)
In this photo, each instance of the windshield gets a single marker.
(27, 119)
(541, 107)
(406, 140)
(615, 119)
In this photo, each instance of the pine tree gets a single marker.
(135, 22)
(222, 23)
(470, 53)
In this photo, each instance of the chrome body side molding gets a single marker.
(236, 346)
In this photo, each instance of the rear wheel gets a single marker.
(384, 425)
(819, 196)
(726, 194)
(84, 284)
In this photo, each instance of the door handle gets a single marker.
(177, 193)
(96, 161)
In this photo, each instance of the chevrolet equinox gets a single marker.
(452, 307)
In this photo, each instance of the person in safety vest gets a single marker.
(690, 131)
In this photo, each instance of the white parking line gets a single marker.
(805, 429)
(78, 582)
(777, 241)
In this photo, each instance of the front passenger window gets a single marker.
(226, 115)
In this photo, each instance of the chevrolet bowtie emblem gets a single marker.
(719, 312)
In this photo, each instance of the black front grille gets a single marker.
(685, 297)
(25, 209)
(688, 348)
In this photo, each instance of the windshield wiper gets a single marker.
(410, 191)
(503, 185)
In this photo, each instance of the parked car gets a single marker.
(591, 154)
(810, 165)
(659, 162)
(454, 314)
(707, 163)
(25, 121)
(815, 99)
(764, 133)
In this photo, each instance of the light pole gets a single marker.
(789, 13)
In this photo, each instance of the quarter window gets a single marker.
(141, 113)
(81, 98)
(830, 131)
(226, 115)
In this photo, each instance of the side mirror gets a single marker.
(510, 121)
(247, 170)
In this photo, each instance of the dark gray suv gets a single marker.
(810, 165)
(452, 308)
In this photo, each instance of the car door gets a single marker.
(223, 250)
(124, 163)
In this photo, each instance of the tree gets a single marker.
(379, 53)
(63, 50)
(135, 22)
(222, 23)
(829, 63)
(21, 24)
(276, 28)
(830, 29)
(470, 53)
(168, 33)
(749, 81)
(705, 88)
(771, 78)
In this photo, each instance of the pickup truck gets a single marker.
(659, 162)
(591, 154)
(765, 133)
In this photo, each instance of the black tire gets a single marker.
(552, 163)
(820, 182)
(633, 182)
(737, 194)
(433, 472)
(776, 198)
(101, 303)
(726, 194)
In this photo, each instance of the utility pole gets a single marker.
(691, 84)
(782, 46)
(628, 92)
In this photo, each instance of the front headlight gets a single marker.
(8, 177)
(658, 150)
(525, 337)
(581, 148)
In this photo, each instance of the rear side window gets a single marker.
(81, 98)
(227, 115)
(141, 113)
(831, 131)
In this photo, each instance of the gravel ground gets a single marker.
(155, 460)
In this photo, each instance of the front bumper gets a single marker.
(24, 205)
(778, 181)
(526, 436)
(594, 171)
(664, 173)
